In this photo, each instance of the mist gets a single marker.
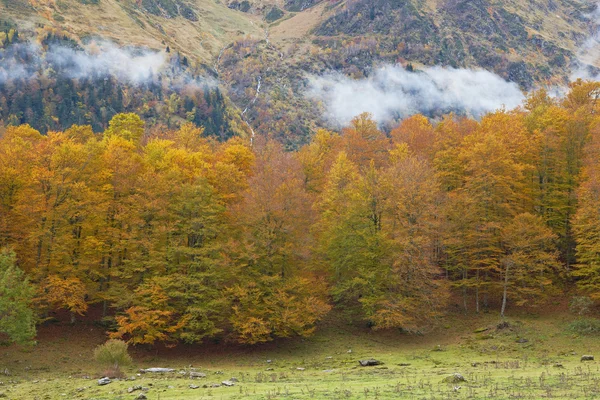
(97, 59)
(391, 92)
(587, 56)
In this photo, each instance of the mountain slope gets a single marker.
(263, 49)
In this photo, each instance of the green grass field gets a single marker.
(534, 358)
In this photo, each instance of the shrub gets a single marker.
(586, 326)
(580, 305)
(112, 354)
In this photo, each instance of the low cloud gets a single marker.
(97, 59)
(391, 93)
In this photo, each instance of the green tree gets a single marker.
(529, 261)
(17, 319)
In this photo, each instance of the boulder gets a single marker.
(454, 378)
(587, 358)
(371, 362)
(194, 386)
(156, 370)
(133, 389)
(227, 383)
(197, 375)
(104, 381)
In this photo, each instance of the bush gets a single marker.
(586, 326)
(580, 305)
(113, 354)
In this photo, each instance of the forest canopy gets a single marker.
(176, 236)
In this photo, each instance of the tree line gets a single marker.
(178, 237)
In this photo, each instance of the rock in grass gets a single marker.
(587, 358)
(141, 396)
(503, 325)
(371, 362)
(156, 370)
(194, 386)
(454, 378)
(133, 389)
(197, 375)
(227, 383)
(104, 381)
(522, 340)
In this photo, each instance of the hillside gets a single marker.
(279, 42)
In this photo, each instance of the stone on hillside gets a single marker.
(157, 370)
(104, 381)
(454, 378)
(133, 389)
(197, 375)
(227, 383)
(300, 369)
(141, 396)
(503, 325)
(194, 386)
(234, 379)
(587, 358)
(371, 362)
(522, 340)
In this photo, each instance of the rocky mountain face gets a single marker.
(262, 50)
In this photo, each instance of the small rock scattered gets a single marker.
(133, 389)
(156, 370)
(522, 340)
(558, 365)
(371, 362)
(194, 374)
(228, 383)
(194, 387)
(104, 381)
(503, 325)
(300, 369)
(587, 358)
(141, 396)
(454, 378)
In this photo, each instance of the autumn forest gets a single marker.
(174, 236)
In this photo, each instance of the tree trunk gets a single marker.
(505, 289)
(477, 293)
